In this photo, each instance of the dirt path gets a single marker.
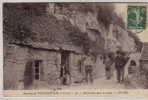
(103, 83)
(100, 83)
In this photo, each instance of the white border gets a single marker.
(1, 42)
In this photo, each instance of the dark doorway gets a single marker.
(28, 75)
(65, 73)
(65, 59)
(33, 71)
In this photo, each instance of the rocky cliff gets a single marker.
(93, 26)
(111, 38)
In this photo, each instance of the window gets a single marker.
(37, 65)
(80, 65)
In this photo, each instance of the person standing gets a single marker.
(108, 63)
(63, 75)
(120, 62)
(89, 69)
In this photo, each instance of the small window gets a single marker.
(80, 66)
(37, 65)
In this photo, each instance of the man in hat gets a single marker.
(120, 62)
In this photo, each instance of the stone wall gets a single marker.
(144, 64)
(51, 66)
(76, 75)
(17, 57)
(15, 62)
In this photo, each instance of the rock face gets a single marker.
(115, 37)
(119, 38)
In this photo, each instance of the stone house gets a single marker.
(36, 65)
(144, 56)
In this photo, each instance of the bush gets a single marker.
(80, 39)
(136, 40)
(16, 14)
(137, 79)
(105, 14)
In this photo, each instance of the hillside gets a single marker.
(99, 21)
(85, 25)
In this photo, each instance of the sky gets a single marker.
(121, 9)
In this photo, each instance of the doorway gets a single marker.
(65, 71)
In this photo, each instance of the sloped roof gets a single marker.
(144, 53)
(45, 27)
(47, 46)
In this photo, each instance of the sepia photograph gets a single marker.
(67, 45)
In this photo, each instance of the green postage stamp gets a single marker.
(136, 17)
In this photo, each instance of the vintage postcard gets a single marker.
(81, 49)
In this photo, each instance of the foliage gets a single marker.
(89, 46)
(138, 79)
(118, 21)
(80, 39)
(14, 15)
(144, 78)
(80, 7)
(48, 28)
(105, 14)
(136, 40)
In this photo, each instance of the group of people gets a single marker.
(120, 61)
(87, 62)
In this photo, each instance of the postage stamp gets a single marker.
(136, 17)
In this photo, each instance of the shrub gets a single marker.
(105, 14)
